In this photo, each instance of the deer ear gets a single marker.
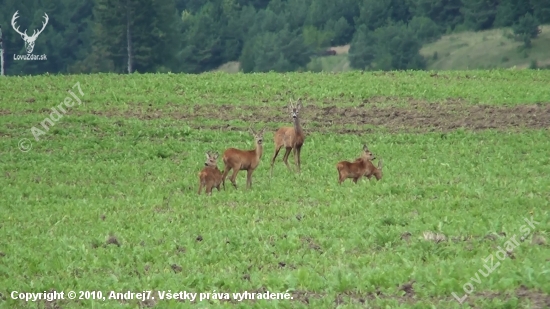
(207, 155)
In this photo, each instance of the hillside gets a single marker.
(458, 51)
(486, 49)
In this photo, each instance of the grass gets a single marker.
(106, 200)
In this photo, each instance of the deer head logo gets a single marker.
(29, 40)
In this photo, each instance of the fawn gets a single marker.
(292, 138)
(358, 168)
(243, 160)
(210, 176)
(374, 171)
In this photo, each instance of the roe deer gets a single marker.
(355, 169)
(292, 138)
(243, 160)
(210, 176)
(374, 171)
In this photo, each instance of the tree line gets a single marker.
(193, 36)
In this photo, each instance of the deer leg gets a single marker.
(209, 189)
(297, 157)
(355, 179)
(249, 178)
(234, 176)
(277, 149)
(200, 187)
(285, 158)
(225, 172)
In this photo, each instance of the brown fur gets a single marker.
(243, 160)
(374, 171)
(291, 138)
(210, 176)
(357, 168)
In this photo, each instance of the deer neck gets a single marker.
(297, 126)
(362, 161)
(259, 151)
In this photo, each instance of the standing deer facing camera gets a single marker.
(210, 176)
(357, 168)
(292, 138)
(243, 160)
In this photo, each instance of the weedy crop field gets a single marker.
(103, 197)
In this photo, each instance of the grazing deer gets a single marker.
(243, 160)
(374, 171)
(210, 176)
(356, 169)
(292, 138)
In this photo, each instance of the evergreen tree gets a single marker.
(479, 14)
(541, 10)
(393, 47)
(200, 35)
(132, 35)
(526, 28)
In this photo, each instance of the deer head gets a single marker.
(294, 108)
(367, 154)
(211, 158)
(258, 136)
(29, 40)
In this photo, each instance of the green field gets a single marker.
(106, 199)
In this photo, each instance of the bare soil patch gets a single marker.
(417, 116)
